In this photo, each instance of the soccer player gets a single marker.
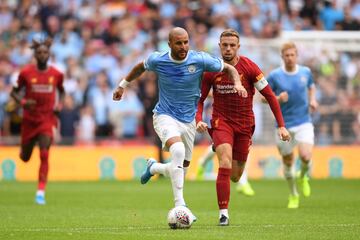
(179, 74)
(243, 185)
(41, 84)
(294, 86)
(233, 123)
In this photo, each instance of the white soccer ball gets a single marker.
(180, 217)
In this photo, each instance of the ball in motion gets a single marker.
(180, 217)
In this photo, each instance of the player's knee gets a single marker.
(305, 157)
(177, 151)
(24, 157)
(225, 163)
(186, 164)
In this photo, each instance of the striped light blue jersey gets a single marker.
(179, 81)
(296, 84)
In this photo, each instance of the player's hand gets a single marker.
(201, 127)
(284, 134)
(118, 93)
(313, 104)
(283, 97)
(58, 109)
(28, 103)
(240, 90)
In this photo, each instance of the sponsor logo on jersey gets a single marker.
(191, 68)
(42, 88)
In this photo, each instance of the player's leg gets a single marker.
(224, 154)
(44, 145)
(26, 149)
(286, 151)
(305, 137)
(203, 160)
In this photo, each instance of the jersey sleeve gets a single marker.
(311, 79)
(151, 61)
(212, 64)
(205, 88)
(60, 83)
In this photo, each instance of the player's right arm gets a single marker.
(135, 72)
(15, 93)
(205, 88)
(234, 75)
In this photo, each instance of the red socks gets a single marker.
(44, 168)
(223, 187)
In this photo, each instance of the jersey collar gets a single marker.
(291, 73)
(178, 61)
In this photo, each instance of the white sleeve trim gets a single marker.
(222, 65)
(261, 84)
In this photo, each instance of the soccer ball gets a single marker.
(180, 217)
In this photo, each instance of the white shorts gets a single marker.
(167, 127)
(303, 133)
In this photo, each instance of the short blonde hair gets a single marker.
(287, 45)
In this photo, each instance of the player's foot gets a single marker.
(40, 199)
(145, 177)
(304, 183)
(224, 220)
(293, 201)
(245, 189)
(193, 216)
(200, 173)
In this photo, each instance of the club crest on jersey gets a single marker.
(191, 68)
(51, 79)
(303, 79)
(33, 80)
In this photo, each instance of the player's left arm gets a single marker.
(262, 85)
(61, 91)
(313, 104)
(201, 126)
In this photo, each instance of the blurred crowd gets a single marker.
(96, 43)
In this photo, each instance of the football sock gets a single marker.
(305, 166)
(224, 212)
(44, 168)
(185, 171)
(40, 193)
(177, 152)
(160, 168)
(243, 179)
(289, 173)
(223, 187)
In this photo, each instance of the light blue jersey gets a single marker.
(179, 81)
(296, 110)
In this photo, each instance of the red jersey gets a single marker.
(40, 86)
(228, 105)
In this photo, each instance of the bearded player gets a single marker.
(40, 83)
(233, 123)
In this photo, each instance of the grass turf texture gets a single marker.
(128, 210)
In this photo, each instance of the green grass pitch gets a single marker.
(128, 210)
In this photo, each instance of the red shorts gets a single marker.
(240, 140)
(31, 129)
